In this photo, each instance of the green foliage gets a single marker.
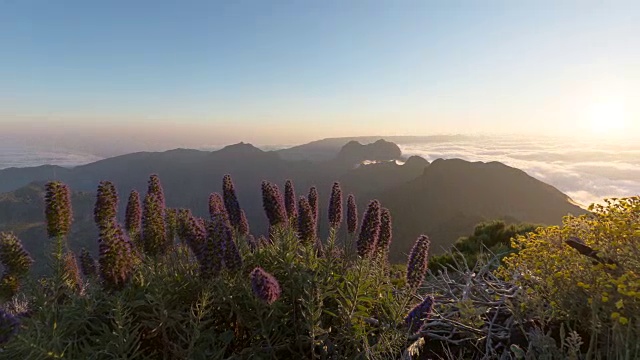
(487, 239)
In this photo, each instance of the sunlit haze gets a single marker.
(196, 73)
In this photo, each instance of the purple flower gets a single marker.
(352, 215)
(230, 254)
(335, 206)
(154, 234)
(9, 325)
(418, 262)
(116, 256)
(306, 222)
(265, 287)
(212, 252)
(384, 240)
(290, 201)
(71, 271)
(155, 188)
(171, 226)
(87, 264)
(252, 242)
(216, 206)
(15, 259)
(370, 230)
(273, 204)
(243, 225)
(313, 203)
(133, 216)
(58, 209)
(231, 201)
(106, 207)
(9, 285)
(418, 316)
(193, 232)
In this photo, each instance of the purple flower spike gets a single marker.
(384, 241)
(155, 188)
(193, 232)
(352, 215)
(418, 262)
(106, 207)
(9, 325)
(306, 222)
(15, 259)
(252, 242)
(231, 201)
(290, 201)
(133, 216)
(370, 230)
(418, 316)
(273, 204)
(154, 234)
(243, 226)
(58, 209)
(335, 206)
(212, 252)
(265, 287)
(313, 203)
(231, 255)
(71, 271)
(87, 263)
(216, 206)
(116, 256)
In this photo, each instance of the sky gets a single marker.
(196, 73)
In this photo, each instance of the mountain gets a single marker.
(327, 149)
(355, 153)
(452, 196)
(13, 178)
(445, 199)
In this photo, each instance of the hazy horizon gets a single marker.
(587, 173)
(197, 72)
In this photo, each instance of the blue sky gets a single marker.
(292, 71)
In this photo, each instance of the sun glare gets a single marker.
(607, 118)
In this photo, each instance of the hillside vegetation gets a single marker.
(170, 285)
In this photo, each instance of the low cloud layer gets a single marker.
(16, 155)
(587, 172)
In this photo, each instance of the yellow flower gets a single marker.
(615, 315)
(619, 304)
(623, 320)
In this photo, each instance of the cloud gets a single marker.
(584, 171)
(23, 155)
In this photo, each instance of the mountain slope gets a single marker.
(453, 195)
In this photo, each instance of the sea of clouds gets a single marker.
(21, 155)
(586, 170)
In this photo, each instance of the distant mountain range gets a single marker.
(444, 199)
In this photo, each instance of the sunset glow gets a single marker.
(607, 118)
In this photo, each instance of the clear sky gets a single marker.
(294, 71)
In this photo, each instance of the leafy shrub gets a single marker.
(586, 274)
(487, 239)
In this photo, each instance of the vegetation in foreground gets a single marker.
(169, 285)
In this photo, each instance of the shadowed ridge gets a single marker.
(451, 196)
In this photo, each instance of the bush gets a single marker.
(585, 274)
(488, 238)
